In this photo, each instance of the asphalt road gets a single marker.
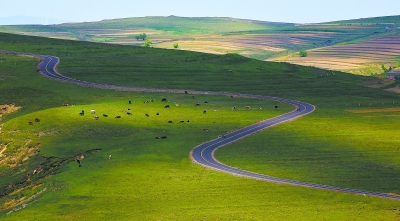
(204, 153)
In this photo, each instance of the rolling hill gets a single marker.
(349, 141)
(336, 46)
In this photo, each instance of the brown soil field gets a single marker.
(357, 56)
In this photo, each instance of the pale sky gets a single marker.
(294, 11)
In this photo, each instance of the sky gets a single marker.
(293, 11)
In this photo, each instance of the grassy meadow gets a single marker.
(153, 179)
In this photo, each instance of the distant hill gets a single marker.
(201, 25)
(380, 20)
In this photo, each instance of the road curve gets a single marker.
(204, 153)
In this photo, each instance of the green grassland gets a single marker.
(153, 179)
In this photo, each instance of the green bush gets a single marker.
(303, 53)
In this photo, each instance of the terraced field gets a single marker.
(254, 39)
(358, 58)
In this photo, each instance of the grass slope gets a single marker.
(149, 179)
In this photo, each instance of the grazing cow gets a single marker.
(147, 115)
(204, 111)
(166, 106)
(247, 107)
(188, 121)
(234, 108)
(37, 120)
(129, 109)
(96, 117)
(129, 102)
(92, 111)
(205, 129)
(157, 114)
(128, 113)
(276, 107)
(158, 137)
(66, 105)
(109, 157)
(206, 102)
(164, 99)
(118, 117)
(185, 92)
(182, 121)
(105, 115)
(30, 123)
(197, 104)
(164, 137)
(81, 113)
(170, 121)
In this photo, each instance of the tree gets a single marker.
(303, 53)
(176, 45)
(141, 36)
(147, 43)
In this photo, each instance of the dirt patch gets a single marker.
(7, 108)
(394, 89)
(378, 83)
(382, 110)
(22, 153)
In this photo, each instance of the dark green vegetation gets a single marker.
(151, 179)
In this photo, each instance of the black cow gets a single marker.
(164, 99)
(164, 137)
(182, 121)
(129, 102)
(204, 111)
(118, 117)
(276, 107)
(166, 106)
(128, 113)
(37, 120)
(105, 115)
(170, 121)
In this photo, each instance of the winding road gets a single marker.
(204, 153)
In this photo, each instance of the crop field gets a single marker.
(342, 143)
(354, 57)
(254, 39)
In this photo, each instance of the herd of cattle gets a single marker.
(128, 112)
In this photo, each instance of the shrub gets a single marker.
(303, 53)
